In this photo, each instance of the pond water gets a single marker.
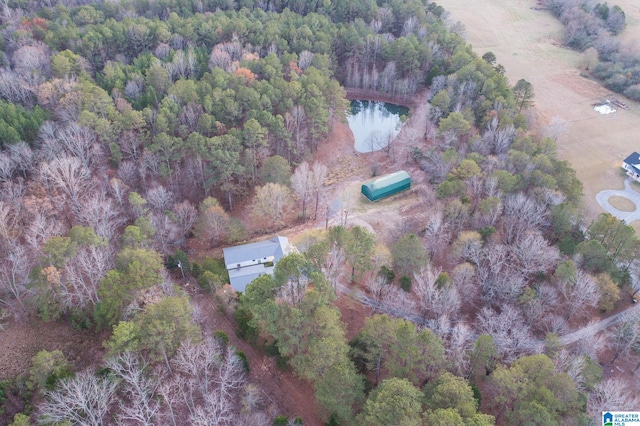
(374, 124)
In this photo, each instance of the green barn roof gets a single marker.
(387, 185)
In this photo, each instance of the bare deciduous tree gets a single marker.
(185, 216)
(134, 87)
(611, 395)
(219, 58)
(230, 378)
(271, 203)
(40, 229)
(212, 222)
(101, 214)
(159, 198)
(83, 275)
(458, 346)
(521, 213)
(13, 191)
(379, 289)
(167, 235)
(499, 138)
(572, 364)
(463, 277)
(83, 399)
(436, 233)
(510, 334)
(333, 267)
(580, 292)
(119, 190)
(128, 173)
(456, 214)
(138, 403)
(207, 382)
(296, 122)
(398, 302)
(183, 64)
(190, 116)
(131, 145)
(433, 162)
(149, 166)
(491, 186)
(593, 345)
(626, 335)
(544, 300)
(31, 63)
(499, 280)
(9, 226)
(468, 247)
(80, 142)
(317, 178)
(70, 176)
(22, 156)
(532, 253)
(50, 147)
(435, 300)
(14, 88)
(301, 185)
(7, 167)
(251, 398)
(304, 59)
(14, 276)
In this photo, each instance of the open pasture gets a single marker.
(527, 41)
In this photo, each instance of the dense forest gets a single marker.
(132, 131)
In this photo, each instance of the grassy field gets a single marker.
(527, 42)
(632, 12)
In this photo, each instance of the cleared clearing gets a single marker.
(527, 42)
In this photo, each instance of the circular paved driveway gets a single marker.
(603, 199)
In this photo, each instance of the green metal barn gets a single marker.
(387, 185)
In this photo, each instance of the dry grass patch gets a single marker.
(631, 10)
(622, 203)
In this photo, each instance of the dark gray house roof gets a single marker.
(241, 278)
(633, 161)
(247, 262)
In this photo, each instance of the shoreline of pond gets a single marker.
(371, 95)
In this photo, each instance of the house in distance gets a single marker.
(247, 262)
(386, 185)
(632, 165)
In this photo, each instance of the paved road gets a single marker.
(593, 329)
(602, 198)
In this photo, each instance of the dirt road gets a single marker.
(593, 329)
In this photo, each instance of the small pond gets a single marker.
(375, 123)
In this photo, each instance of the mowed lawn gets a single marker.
(527, 42)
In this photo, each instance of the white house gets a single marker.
(632, 165)
(248, 261)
